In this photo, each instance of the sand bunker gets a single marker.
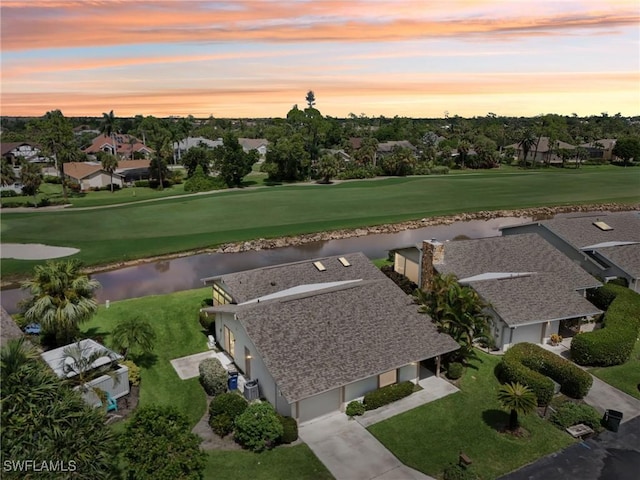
(34, 251)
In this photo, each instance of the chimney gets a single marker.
(432, 254)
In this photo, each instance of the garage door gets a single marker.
(528, 333)
(319, 405)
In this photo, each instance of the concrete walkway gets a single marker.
(350, 452)
(187, 367)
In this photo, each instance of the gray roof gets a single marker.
(539, 283)
(512, 254)
(319, 340)
(189, 142)
(626, 257)
(9, 330)
(250, 284)
(580, 232)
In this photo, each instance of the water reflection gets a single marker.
(185, 273)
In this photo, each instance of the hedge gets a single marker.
(385, 395)
(614, 342)
(231, 404)
(289, 429)
(531, 365)
(213, 376)
(569, 414)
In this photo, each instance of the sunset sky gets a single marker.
(256, 58)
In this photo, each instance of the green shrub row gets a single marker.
(614, 342)
(213, 376)
(569, 414)
(9, 193)
(531, 364)
(385, 395)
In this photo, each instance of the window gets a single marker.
(388, 378)
(344, 262)
(319, 266)
(220, 297)
(603, 226)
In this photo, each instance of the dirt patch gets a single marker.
(126, 405)
(211, 441)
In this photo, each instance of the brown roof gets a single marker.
(8, 146)
(80, 170)
(321, 337)
(355, 142)
(123, 144)
(127, 164)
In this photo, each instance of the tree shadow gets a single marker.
(145, 360)
(96, 334)
(272, 183)
(496, 419)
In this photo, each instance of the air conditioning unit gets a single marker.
(251, 390)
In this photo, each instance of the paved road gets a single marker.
(609, 456)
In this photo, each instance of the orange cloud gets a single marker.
(29, 25)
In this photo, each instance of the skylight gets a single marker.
(319, 266)
(603, 226)
(344, 262)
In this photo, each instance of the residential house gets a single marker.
(531, 287)
(601, 149)
(126, 146)
(607, 245)
(183, 146)
(91, 175)
(545, 152)
(386, 148)
(116, 386)
(259, 144)
(16, 152)
(317, 334)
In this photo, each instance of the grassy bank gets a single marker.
(146, 229)
(430, 437)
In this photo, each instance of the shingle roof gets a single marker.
(250, 284)
(579, 231)
(9, 330)
(129, 164)
(80, 170)
(8, 146)
(320, 340)
(389, 146)
(626, 257)
(253, 143)
(548, 292)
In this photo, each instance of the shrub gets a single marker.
(258, 427)
(614, 342)
(213, 376)
(221, 425)
(52, 179)
(440, 170)
(134, 372)
(385, 395)
(455, 471)
(531, 364)
(355, 409)
(141, 183)
(206, 322)
(570, 413)
(555, 338)
(13, 204)
(8, 193)
(400, 280)
(230, 404)
(454, 370)
(289, 429)
(621, 281)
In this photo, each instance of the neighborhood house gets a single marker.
(532, 289)
(317, 334)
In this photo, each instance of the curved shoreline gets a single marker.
(537, 213)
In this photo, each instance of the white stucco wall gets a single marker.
(358, 389)
(99, 180)
(409, 372)
(116, 389)
(319, 405)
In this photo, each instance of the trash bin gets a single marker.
(232, 382)
(612, 419)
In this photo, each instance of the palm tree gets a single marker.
(109, 164)
(517, 398)
(328, 167)
(108, 127)
(61, 298)
(31, 179)
(8, 176)
(16, 355)
(527, 142)
(463, 150)
(133, 334)
(80, 365)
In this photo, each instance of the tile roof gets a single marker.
(580, 232)
(319, 340)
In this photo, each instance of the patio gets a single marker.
(187, 367)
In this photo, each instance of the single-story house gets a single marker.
(545, 151)
(183, 146)
(607, 245)
(91, 174)
(17, 151)
(530, 286)
(259, 144)
(386, 148)
(126, 146)
(116, 387)
(601, 149)
(132, 170)
(317, 334)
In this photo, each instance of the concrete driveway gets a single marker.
(603, 396)
(350, 452)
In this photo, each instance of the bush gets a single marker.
(440, 170)
(455, 370)
(213, 376)
(355, 409)
(8, 193)
(289, 429)
(614, 342)
(457, 472)
(388, 394)
(52, 179)
(570, 413)
(134, 372)
(230, 404)
(141, 183)
(621, 281)
(258, 427)
(222, 425)
(531, 364)
(207, 322)
(13, 204)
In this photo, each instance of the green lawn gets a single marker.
(625, 377)
(430, 437)
(174, 318)
(145, 229)
(284, 463)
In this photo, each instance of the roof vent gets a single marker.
(319, 266)
(603, 226)
(344, 262)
